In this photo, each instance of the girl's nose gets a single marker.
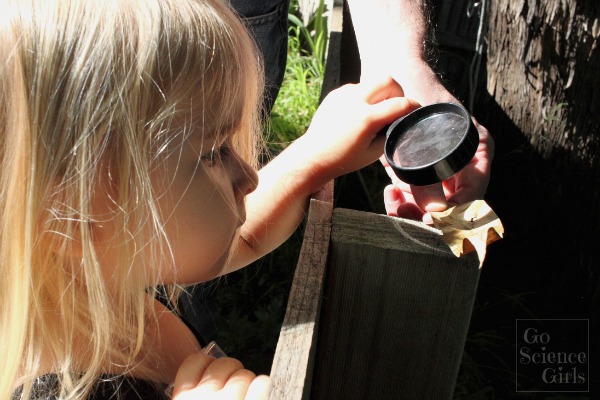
(246, 179)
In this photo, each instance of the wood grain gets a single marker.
(291, 373)
(396, 311)
(292, 367)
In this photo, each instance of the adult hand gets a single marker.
(204, 377)
(415, 202)
(391, 35)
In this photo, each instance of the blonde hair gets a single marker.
(92, 93)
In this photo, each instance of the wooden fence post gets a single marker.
(396, 311)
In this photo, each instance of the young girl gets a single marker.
(128, 139)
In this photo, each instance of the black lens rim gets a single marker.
(442, 168)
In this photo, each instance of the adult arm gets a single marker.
(392, 37)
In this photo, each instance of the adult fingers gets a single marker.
(468, 189)
(400, 204)
(392, 199)
(471, 183)
(410, 211)
(409, 201)
(430, 197)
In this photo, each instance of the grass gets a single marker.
(299, 95)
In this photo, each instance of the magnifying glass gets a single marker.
(431, 143)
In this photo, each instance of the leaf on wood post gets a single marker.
(467, 227)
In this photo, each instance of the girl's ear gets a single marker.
(62, 244)
(98, 229)
(71, 243)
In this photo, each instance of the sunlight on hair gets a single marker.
(91, 92)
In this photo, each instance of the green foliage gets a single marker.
(313, 38)
(554, 112)
(299, 95)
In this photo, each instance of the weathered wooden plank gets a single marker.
(396, 311)
(291, 373)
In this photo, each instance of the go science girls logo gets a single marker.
(552, 355)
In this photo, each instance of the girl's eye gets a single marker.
(217, 155)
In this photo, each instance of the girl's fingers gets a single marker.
(237, 385)
(388, 110)
(191, 371)
(259, 388)
(382, 89)
(219, 372)
(202, 376)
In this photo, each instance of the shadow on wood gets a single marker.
(396, 311)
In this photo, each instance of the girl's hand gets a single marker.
(204, 377)
(344, 135)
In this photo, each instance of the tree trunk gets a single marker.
(543, 71)
(543, 66)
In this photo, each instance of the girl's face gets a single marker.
(201, 189)
(200, 185)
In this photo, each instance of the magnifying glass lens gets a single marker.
(429, 140)
(431, 143)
